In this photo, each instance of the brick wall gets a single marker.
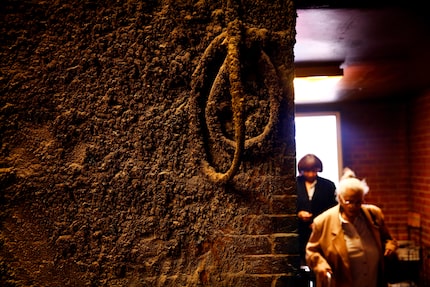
(375, 146)
(419, 160)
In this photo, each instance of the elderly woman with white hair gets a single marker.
(349, 241)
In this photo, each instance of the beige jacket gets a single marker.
(327, 248)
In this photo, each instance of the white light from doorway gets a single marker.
(319, 133)
(315, 89)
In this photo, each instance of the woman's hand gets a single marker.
(389, 252)
(304, 215)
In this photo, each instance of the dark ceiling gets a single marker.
(383, 49)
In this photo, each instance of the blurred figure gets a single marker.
(314, 195)
(349, 241)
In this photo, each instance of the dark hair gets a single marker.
(310, 162)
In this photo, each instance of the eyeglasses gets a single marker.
(351, 202)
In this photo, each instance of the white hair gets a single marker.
(349, 181)
(347, 172)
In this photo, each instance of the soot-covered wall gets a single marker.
(147, 143)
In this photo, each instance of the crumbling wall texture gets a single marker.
(147, 143)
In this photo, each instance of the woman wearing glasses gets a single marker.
(349, 241)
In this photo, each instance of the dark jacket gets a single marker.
(324, 197)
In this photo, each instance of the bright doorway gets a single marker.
(319, 133)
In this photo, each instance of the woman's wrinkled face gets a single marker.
(351, 201)
(310, 175)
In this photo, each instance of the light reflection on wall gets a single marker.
(315, 89)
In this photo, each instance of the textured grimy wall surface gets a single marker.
(147, 143)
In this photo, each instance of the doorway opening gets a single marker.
(319, 133)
